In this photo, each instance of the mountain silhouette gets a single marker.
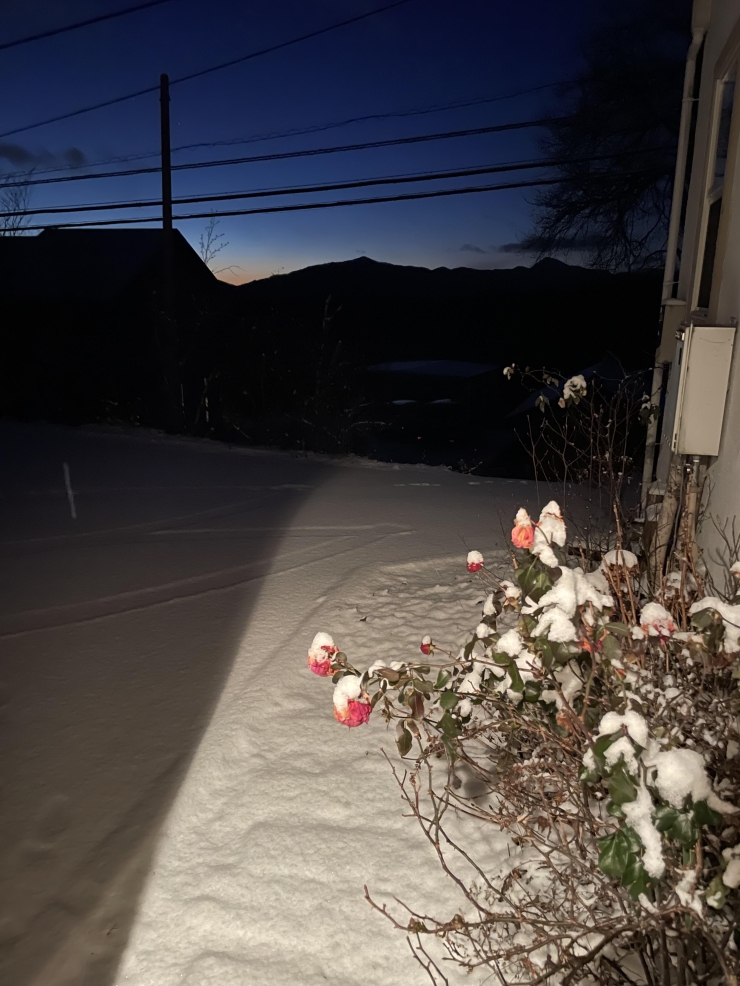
(551, 313)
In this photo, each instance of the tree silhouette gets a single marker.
(626, 102)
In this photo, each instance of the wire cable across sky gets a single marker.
(315, 188)
(304, 206)
(208, 71)
(53, 32)
(288, 155)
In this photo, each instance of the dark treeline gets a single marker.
(283, 362)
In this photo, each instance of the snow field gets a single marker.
(285, 814)
(183, 597)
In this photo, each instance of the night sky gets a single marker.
(425, 53)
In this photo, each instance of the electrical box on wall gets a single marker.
(705, 355)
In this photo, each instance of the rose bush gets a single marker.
(602, 725)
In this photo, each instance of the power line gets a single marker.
(312, 189)
(207, 71)
(318, 128)
(314, 128)
(304, 206)
(287, 155)
(78, 24)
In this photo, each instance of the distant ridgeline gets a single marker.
(354, 356)
(551, 313)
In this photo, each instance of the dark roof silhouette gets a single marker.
(88, 264)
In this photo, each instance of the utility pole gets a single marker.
(168, 265)
(174, 411)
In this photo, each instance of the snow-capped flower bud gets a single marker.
(475, 561)
(351, 704)
(426, 645)
(321, 653)
(656, 621)
(522, 536)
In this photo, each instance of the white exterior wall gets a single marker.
(722, 39)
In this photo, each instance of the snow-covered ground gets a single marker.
(180, 806)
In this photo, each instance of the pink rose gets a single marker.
(523, 534)
(321, 653)
(355, 713)
(426, 645)
(320, 665)
(351, 704)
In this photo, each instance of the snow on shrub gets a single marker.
(621, 558)
(596, 739)
(574, 387)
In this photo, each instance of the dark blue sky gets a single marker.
(425, 53)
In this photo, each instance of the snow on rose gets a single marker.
(351, 703)
(426, 645)
(320, 654)
(656, 621)
(522, 535)
(475, 561)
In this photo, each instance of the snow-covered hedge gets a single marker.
(601, 727)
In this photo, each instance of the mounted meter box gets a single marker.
(704, 356)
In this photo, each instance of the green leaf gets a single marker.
(705, 618)
(704, 815)
(517, 685)
(684, 829)
(544, 649)
(469, 648)
(449, 727)
(502, 659)
(527, 624)
(532, 691)
(451, 750)
(613, 854)
(616, 811)
(602, 744)
(391, 676)
(587, 776)
(534, 580)
(633, 839)
(665, 817)
(610, 648)
(449, 699)
(620, 629)
(622, 788)
(442, 678)
(629, 870)
(417, 706)
(635, 878)
(716, 893)
(403, 742)
(425, 687)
